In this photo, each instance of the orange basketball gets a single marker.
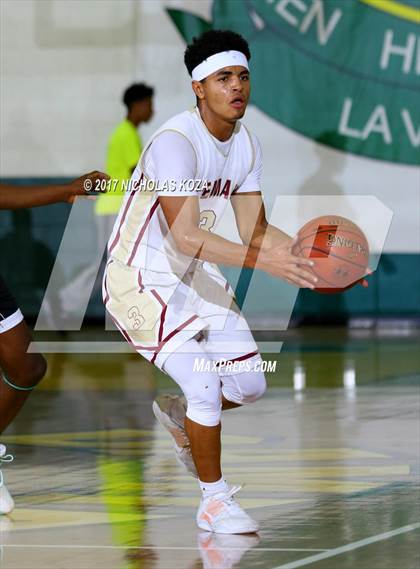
(339, 249)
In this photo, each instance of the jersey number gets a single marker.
(207, 219)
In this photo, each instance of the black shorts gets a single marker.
(10, 315)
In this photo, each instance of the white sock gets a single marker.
(210, 488)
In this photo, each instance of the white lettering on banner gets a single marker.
(413, 135)
(377, 123)
(316, 11)
(323, 31)
(418, 57)
(257, 20)
(281, 9)
(343, 127)
(406, 52)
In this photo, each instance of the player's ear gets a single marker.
(198, 89)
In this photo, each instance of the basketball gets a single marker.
(339, 249)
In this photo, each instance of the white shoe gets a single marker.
(220, 513)
(220, 551)
(170, 411)
(6, 501)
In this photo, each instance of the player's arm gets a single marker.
(252, 223)
(183, 217)
(172, 157)
(17, 197)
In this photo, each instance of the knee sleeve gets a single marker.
(205, 401)
(244, 387)
(202, 389)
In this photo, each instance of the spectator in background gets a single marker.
(123, 153)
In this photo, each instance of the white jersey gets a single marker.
(215, 170)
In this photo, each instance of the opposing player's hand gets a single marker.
(83, 185)
(282, 263)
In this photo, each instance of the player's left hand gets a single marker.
(83, 185)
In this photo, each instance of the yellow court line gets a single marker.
(67, 439)
(283, 487)
(30, 519)
(395, 9)
(319, 471)
(233, 458)
(25, 518)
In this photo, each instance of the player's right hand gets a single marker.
(283, 264)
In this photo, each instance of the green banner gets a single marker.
(343, 72)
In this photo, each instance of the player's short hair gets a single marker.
(211, 42)
(137, 92)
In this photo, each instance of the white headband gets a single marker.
(218, 61)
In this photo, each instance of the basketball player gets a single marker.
(20, 371)
(162, 286)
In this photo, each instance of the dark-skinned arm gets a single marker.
(17, 197)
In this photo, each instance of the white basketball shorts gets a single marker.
(158, 312)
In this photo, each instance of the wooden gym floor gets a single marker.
(329, 460)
